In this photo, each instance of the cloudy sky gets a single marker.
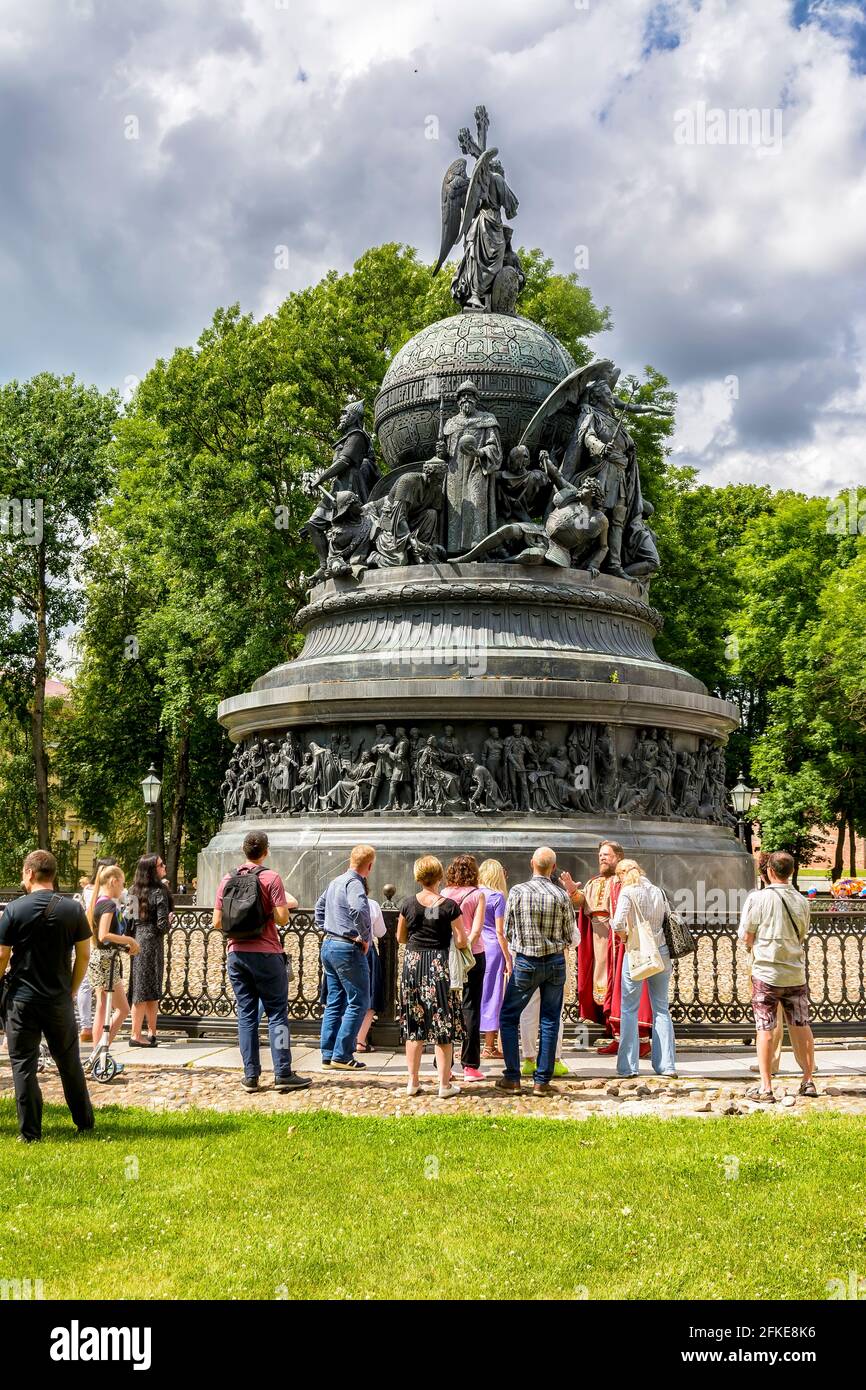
(154, 153)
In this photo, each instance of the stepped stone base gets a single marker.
(471, 646)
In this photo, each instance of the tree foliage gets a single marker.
(54, 469)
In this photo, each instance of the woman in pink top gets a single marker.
(462, 886)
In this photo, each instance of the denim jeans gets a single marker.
(529, 1020)
(547, 975)
(260, 976)
(348, 978)
(664, 1057)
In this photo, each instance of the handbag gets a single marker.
(678, 937)
(644, 956)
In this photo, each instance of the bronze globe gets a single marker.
(513, 362)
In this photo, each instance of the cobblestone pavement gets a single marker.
(166, 1088)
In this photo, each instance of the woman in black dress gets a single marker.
(429, 1009)
(151, 904)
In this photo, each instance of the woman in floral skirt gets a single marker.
(430, 1012)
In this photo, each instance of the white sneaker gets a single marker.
(447, 1092)
(413, 1090)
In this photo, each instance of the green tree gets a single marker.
(54, 470)
(793, 565)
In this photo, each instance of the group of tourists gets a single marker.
(484, 968)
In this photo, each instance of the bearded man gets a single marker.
(600, 954)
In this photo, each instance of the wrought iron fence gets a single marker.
(710, 991)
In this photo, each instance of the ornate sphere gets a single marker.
(513, 362)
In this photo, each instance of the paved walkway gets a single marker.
(716, 1063)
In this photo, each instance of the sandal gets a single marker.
(762, 1097)
(492, 1054)
(807, 1088)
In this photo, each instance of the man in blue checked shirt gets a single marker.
(343, 914)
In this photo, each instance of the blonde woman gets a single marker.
(640, 898)
(492, 878)
(429, 1011)
(103, 916)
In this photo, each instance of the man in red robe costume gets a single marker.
(600, 953)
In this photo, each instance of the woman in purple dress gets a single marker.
(491, 876)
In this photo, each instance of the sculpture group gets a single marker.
(578, 506)
(513, 770)
(582, 510)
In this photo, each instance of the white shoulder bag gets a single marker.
(644, 956)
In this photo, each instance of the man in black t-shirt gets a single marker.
(40, 932)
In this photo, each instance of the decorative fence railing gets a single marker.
(710, 991)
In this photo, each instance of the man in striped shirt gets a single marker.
(539, 924)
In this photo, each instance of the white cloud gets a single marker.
(304, 126)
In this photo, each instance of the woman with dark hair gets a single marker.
(151, 903)
(461, 877)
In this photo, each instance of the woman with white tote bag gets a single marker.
(639, 917)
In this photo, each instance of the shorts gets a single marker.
(100, 964)
(766, 998)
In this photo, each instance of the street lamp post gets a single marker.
(77, 845)
(151, 788)
(741, 799)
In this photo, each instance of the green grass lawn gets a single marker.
(204, 1205)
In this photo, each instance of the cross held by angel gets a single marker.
(489, 275)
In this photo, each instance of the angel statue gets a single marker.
(489, 275)
(601, 448)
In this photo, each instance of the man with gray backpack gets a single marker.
(250, 904)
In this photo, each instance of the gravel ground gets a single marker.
(180, 1088)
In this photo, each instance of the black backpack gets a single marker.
(243, 912)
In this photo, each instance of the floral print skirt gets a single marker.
(429, 1010)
